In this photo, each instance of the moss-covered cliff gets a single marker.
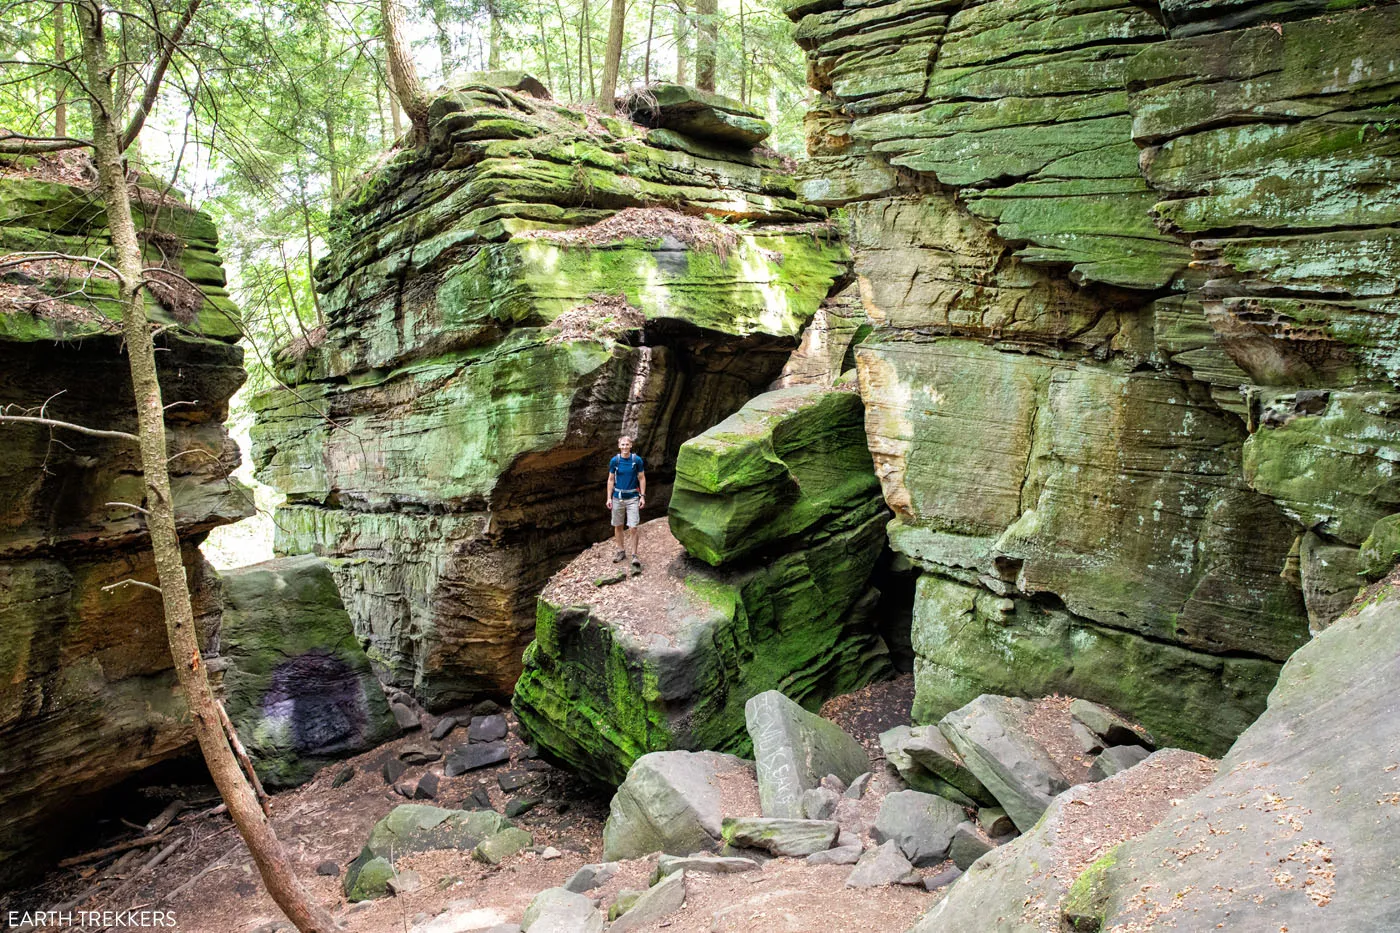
(87, 692)
(1131, 390)
(501, 306)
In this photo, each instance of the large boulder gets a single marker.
(1309, 798)
(88, 694)
(991, 736)
(1021, 887)
(927, 762)
(794, 750)
(676, 803)
(571, 280)
(782, 498)
(922, 825)
(700, 114)
(297, 684)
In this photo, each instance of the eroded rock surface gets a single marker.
(87, 691)
(1127, 390)
(500, 307)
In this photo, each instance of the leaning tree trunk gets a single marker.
(706, 43)
(277, 872)
(409, 89)
(612, 57)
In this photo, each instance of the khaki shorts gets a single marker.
(631, 509)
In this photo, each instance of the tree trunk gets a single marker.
(60, 109)
(567, 61)
(544, 47)
(493, 55)
(331, 156)
(743, 57)
(276, 870)
(588, 39)
(682, 42)
(651, 30)
(444, 41)
(706, 43)
(410, 90)
(612, 57)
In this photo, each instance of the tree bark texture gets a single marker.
(706, 43)
(412, 97)
(612, 57)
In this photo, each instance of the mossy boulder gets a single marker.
(410, 828)
(701, 114)
(786, 461)
(297, 685)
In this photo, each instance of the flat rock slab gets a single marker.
(487, 728)
(555, 910)
(928, 762)
(675, 802)
(470, 757)
(706, 864)
(496, 848)
(883, 865)
(660, 900)
(779, 836)
(793, 750)
(990, 735)
(922, 825)
(968, 846)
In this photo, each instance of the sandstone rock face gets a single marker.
(500, 308)
(780, 496)
(297, 684)
(1129, 389)
(1313, 783)
(87, 692)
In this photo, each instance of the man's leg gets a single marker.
(634, 518)
(619, 516)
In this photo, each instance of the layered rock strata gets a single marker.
(87, 692)
(781, 525)
(501, 305)
(1130, 389)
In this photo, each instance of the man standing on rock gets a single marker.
(627, 493)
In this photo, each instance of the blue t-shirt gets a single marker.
(626, 470)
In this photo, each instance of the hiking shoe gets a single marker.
(636, 562)
(619, 557)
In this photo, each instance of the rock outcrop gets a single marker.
(781, 497)
(501, 306)
(1131, 270)
(296, 682)
(1315, 784)
(87, 690)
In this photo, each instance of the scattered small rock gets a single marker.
(419, 754)
(550, 854)
(968, 846)
(487, 729)
(662, 899)
(819, 803)
(405, 717)
(779, 836)
(470, 757)
(496, 848)
(393, 770)
(427, 787)
(555, 910)
(841, 855)
(858, 786)
(328, 869)
(512, 781)
(593, 875)
(883, 865)
(711, 864)
(944, 878)
(445, 725)
(1115, 759)
(479, 799)
(995, 822)
(344, 776)
(1108, 725)
(486, 708)
(521, 805)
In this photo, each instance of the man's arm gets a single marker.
(611, 476)
(642, 482)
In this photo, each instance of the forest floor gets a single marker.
(211, 885)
